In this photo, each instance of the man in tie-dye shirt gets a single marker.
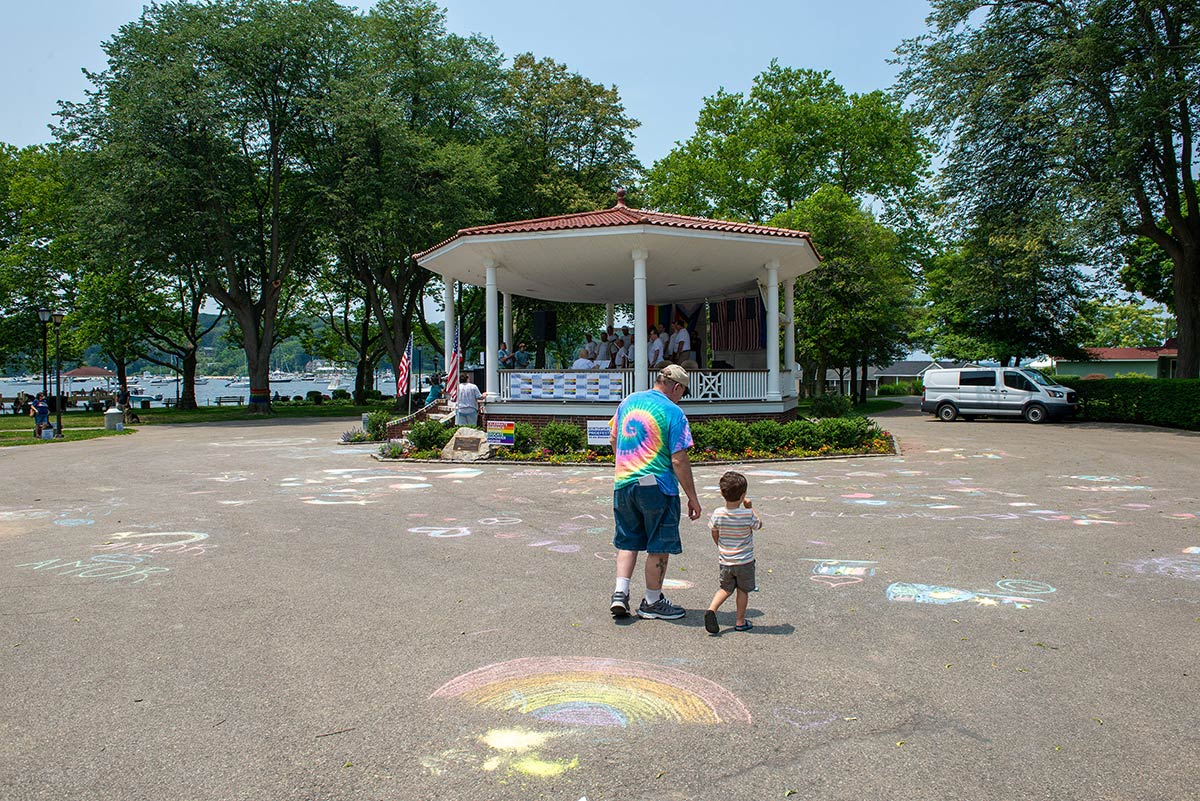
(650, 438)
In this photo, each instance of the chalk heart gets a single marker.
(836, 581)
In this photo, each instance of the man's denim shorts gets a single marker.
(466, 418)
(647, 520)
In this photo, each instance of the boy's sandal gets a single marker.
(744, 627)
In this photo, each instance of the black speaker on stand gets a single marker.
(545, 327)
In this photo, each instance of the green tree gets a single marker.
(404, 160)
(1011, 289)
(38, 247)
(565, 142)
(1091, 105)
(213, 108)
(752, 157)
(1125, 325)
(859, 306)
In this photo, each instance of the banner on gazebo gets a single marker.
(738, 324)
(662, 316)
(600, 386)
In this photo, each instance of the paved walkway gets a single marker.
(253, 611)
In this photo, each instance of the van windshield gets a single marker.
(1037, 377)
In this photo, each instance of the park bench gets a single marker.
(231, 400)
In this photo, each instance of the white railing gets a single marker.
(599, 386)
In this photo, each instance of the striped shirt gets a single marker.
(735, 540)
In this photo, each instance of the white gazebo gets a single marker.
(626, 255)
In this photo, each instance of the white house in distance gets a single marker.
(726, 280)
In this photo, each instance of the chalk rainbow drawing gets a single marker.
(587, 691)
(906, 592)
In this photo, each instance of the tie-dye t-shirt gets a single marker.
(649, 429)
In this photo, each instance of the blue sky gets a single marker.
(664, 56)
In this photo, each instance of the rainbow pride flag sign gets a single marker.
(501, 432)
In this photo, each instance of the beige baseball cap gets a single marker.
(676, 374)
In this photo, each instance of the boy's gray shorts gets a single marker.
(740, 577)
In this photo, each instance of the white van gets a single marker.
(996, 392)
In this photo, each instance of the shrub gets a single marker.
(525, 438)
(377, 424)
(355, 435)
(801, 434)
(429, 434)
(372, 394)
(298, 398)
(766, 435)
(844, 433)
(340, 394)
(722, 435)
(1171, 402)
(314, 396)
(831, 404)
(902, 388)
(562, 438)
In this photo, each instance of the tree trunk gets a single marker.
(1187, 312)
(862, 384)
(853, 380)
(258, 362)
(187, 390)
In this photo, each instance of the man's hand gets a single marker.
(693, 508)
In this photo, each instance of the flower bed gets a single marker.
(717, 441)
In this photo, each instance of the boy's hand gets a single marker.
(746, 503)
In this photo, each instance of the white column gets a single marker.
(641, 367)
(508, 322)
(448, 320)
(773, 331)
(492, 390)
(789, 333)
(608, 315)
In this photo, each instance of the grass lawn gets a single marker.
(24, 436)
(205, 414)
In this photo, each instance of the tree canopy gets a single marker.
(1089, 105)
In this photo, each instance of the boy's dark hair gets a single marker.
(733, 486)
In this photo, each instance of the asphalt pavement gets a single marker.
(255, 611)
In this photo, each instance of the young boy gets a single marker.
(733, 532)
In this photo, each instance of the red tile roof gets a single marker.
(1130, 354)
(619, 214)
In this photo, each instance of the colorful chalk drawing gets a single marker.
(108, 566)
(442, 532)
(835, 573)
(516, 751)
(586, 691)
(126, 558)
(179, 542)
(677, 584)
(1180, 567)
(934, 594)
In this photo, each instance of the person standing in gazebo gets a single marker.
(650, 438)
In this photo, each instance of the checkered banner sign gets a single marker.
(566, 386)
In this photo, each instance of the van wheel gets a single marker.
(947, 413)
(1035, 413)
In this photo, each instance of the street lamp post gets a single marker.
(44, 316)
(58, 318)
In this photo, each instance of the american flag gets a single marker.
(453, 367)
(402, 387)
(738, 324)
